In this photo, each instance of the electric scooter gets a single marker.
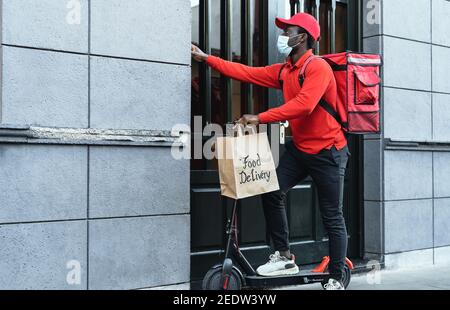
(236, 273)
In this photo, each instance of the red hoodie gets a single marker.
(313, 129)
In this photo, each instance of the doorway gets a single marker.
(244, 31)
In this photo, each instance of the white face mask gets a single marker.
(283, 46)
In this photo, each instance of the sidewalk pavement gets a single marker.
(426, 278)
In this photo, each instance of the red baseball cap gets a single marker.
(304, 20)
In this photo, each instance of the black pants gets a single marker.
(327, 169)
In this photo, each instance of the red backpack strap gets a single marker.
(279, 76)
(323, 103)
(302, 71)
(301, 76)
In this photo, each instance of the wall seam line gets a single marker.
(96, 55)
(432, 130)
(88, 148)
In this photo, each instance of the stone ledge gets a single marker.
(178, 287)
(91, 136)
(410, 145)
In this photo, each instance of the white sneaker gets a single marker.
(333, 285)
(278, 265)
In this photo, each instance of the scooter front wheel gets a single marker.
(213, 280)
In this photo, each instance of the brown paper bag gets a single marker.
(246, 166)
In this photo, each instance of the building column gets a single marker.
(407, 183)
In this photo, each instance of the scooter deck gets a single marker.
(302, 277)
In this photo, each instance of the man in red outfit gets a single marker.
(319, 147)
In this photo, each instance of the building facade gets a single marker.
(406, 181)
(83, 207)
(91, 195)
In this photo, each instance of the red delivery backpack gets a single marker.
(358, 90)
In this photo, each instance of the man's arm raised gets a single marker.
(263, 76)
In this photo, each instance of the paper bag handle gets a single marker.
(240, 129)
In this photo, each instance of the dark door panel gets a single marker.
(207, 216)
(252, 222)
(300, 213)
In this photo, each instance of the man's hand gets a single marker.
(249, 119)
(198, 54)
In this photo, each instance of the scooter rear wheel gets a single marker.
(213, 280)
(346, 277)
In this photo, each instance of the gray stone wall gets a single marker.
(120, 212)
(407, 167)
